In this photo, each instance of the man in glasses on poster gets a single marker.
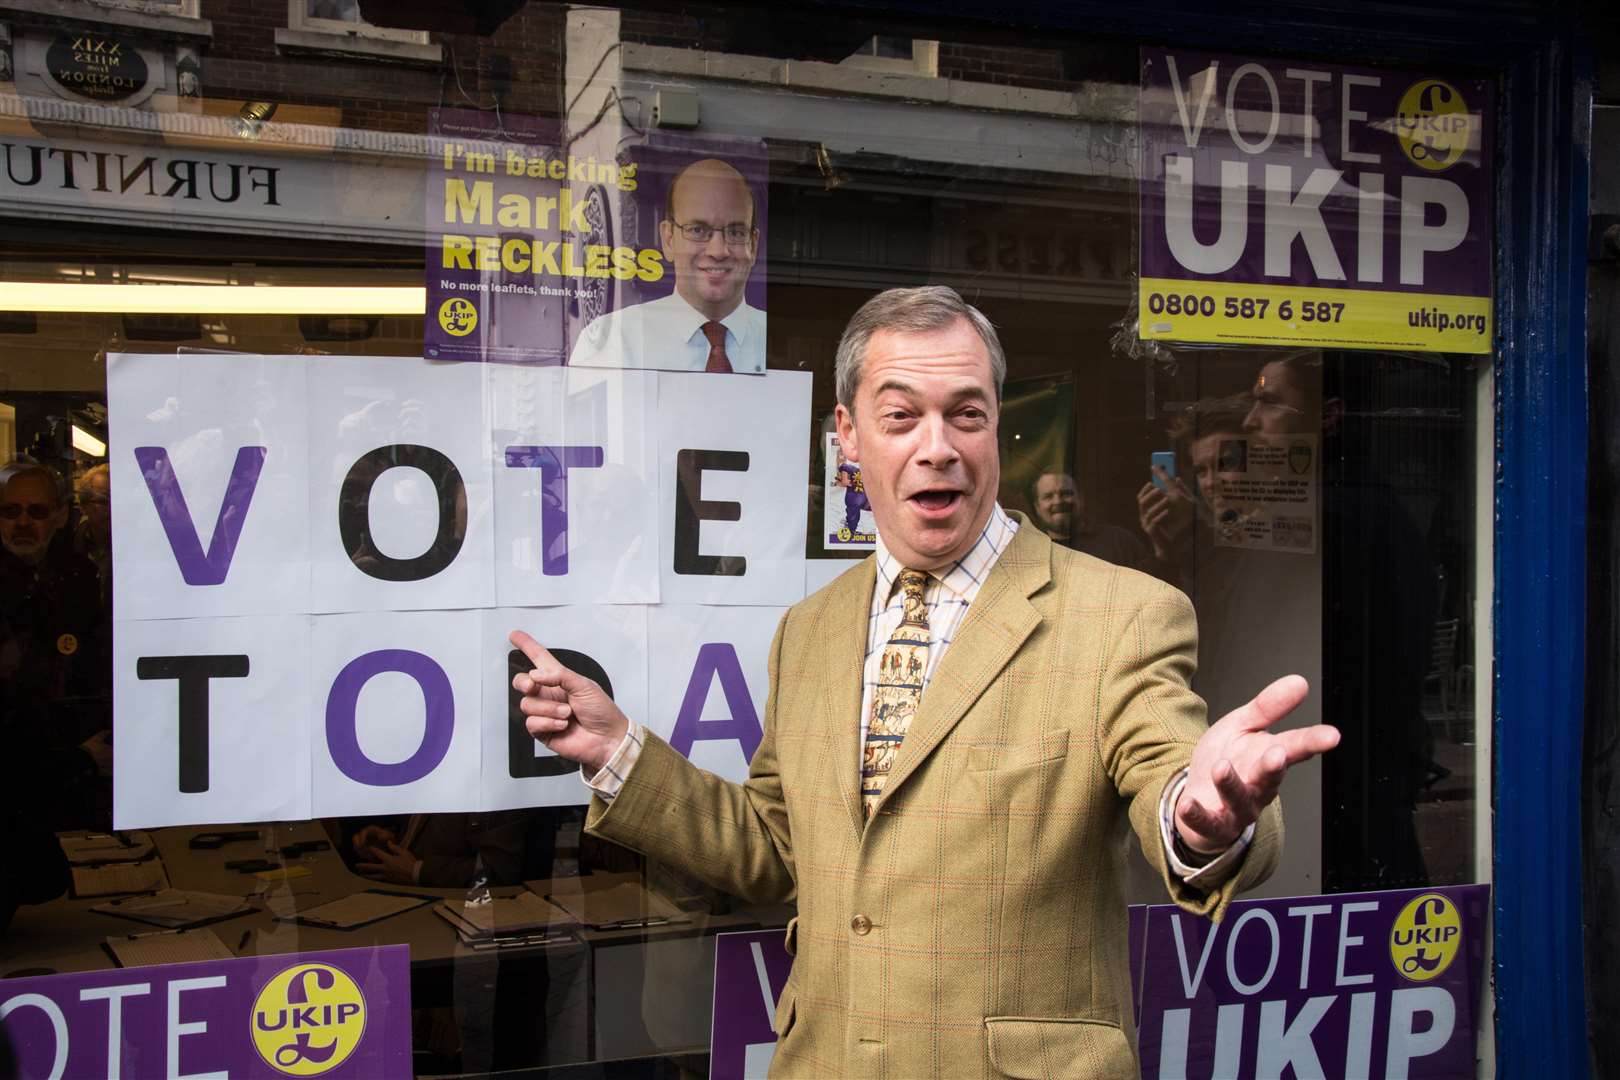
(709, 234)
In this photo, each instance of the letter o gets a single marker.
(354, 512)
(342, 738)
(1231, 951)
(59, 1027)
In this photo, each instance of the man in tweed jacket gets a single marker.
(971, 923)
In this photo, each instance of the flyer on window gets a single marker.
(848, 524)
(1264, 494)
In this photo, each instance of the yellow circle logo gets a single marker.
(67, 644)
(458, 316)
(1426, 937)
(308, 1019)
(1434, 124)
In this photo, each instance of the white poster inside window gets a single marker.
(1264, 495)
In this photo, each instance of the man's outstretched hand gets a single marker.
(1238, 766)
(566, 711)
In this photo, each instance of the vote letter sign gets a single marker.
(1293, 203)
(318, 560)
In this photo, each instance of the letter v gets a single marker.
(1189, 982)
(196, 567)
(1191, 129)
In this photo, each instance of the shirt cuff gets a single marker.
(612, 776)
(1211, 873)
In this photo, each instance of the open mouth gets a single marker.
(937, 501)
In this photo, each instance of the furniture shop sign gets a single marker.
(318, 560)
(1357, 984)
(1320, 205)
(342, 1013)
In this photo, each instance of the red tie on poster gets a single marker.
(718, 361)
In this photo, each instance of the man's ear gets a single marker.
(666, 238)
(847, 441)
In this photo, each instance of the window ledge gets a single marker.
(1093, 101)
(352, 45)
(79, 11)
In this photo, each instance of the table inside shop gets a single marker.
(619, 992)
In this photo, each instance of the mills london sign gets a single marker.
(96, 65)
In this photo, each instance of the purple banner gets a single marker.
(750, 971)
(343, 1013)
(1355, 984)
(1292, 202)
(539, 254)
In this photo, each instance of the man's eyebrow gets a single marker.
(895, 385)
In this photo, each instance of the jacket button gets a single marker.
(861, 925)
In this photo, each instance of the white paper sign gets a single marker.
(210, 484)
(312, 550)
(1265, 493)
(394, 711)
(606, 643)
(576, 485)
(210, 721)
(708, 682)
(399, 487)
(733, 455)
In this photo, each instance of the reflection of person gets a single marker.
(93, 537)
(446, 850)
(1059, 508)
(709, 234)
(1052, 711)
(1165, 506)
(53, 655)
(1380, 583)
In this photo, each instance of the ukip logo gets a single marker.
(308, 1019)
(1426, 937)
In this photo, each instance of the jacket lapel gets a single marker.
(997, 624)
(844, 625)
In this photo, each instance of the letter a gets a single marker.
(197, 567)
(717, 658)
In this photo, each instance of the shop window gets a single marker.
(896, 55)
(185, 9)
(337, 26)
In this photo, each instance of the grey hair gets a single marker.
(22, 465)
(913, 311)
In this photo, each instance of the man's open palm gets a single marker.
(1239, 764)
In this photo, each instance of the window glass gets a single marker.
(252, 274)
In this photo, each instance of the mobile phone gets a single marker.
(1162, 459)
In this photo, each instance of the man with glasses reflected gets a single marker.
(708, 234)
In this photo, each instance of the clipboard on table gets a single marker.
(177, 909)
(623, 905)
(361, 909)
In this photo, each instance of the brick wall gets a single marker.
(244, 62)
(1005, 62)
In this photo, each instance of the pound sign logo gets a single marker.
(458, 317)
(308, 1019)
(1434, 125)
(1426, 937)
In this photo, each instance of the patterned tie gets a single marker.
(899, 689)
(718, 360)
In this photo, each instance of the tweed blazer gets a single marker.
(976, 925)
